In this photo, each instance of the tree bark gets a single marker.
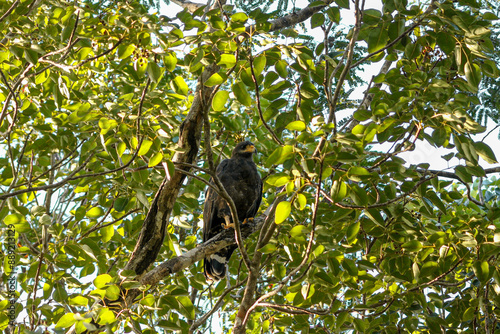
(154, 226)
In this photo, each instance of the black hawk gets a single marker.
(243, 184)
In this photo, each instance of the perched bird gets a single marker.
(243, 184)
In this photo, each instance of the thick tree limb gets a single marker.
(154, 226)
(294, 18)
(179, 263)
(189, 5)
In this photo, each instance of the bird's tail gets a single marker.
(215, 264)
(215, 267)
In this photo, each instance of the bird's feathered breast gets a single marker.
(242, 182)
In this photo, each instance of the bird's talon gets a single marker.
(226, 226)
(247, 220)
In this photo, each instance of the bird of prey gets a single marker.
(243, 184)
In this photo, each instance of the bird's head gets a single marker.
(244, 149)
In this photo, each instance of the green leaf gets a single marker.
(107, 233)
(338, 190)
(482, 271)
(120, 204)
(179, 86)
(281, 67)
(334, 14)
(78, 301)
(67, 320)
(358, 174)
(490, 16)
(372, 17)
(187, 308)
(282, 212)
(125, 50)
(350, 266)
(170, 61)
(227, 60)
(101, 281)
(31, 56)
(214, 80)
(299, 230)
(107, 125)
(325, 277)
(154, 71)
(259, 63)
(317, 20)
(352, 232)
(280, 155)
(106, 317)
(145, 146)
(309, 91)
(219, 100)
(296, 126)
(436, 201)
(268, 248)
(302, 201)
(412, 246)
(343, 3)
(140, 65)
(239, 17)
(155, 160)
(113, 292)
(412, 50)
(485, 152)
(473, 75)
(60, 295)
(241, 94)
(42, 77)
(14, 218)
(469, 313)
(95, 212)
(446, 42)
(170, 170)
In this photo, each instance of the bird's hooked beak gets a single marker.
(250, 149)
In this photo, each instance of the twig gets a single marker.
(297, 310)
(343, 75)
(11, 8)
(101, 54)
(71, 177)
(217, 305)
(54, 166)
(434, 280)
(304, 260)
(97, 227)
(16, 104)
(257, 96)
(378, 205)
(406, 32)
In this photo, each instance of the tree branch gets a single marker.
(11, 8)
(189, 5)
(176, 264)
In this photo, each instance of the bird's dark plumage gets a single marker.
(243, 184)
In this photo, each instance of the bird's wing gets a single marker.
(252, 211)
(210, 208)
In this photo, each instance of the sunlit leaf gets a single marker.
(282, 212)
(155, 159)
(95, 212)
(220, 100)
(101, 281)
(241, 94)
(67, 320)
